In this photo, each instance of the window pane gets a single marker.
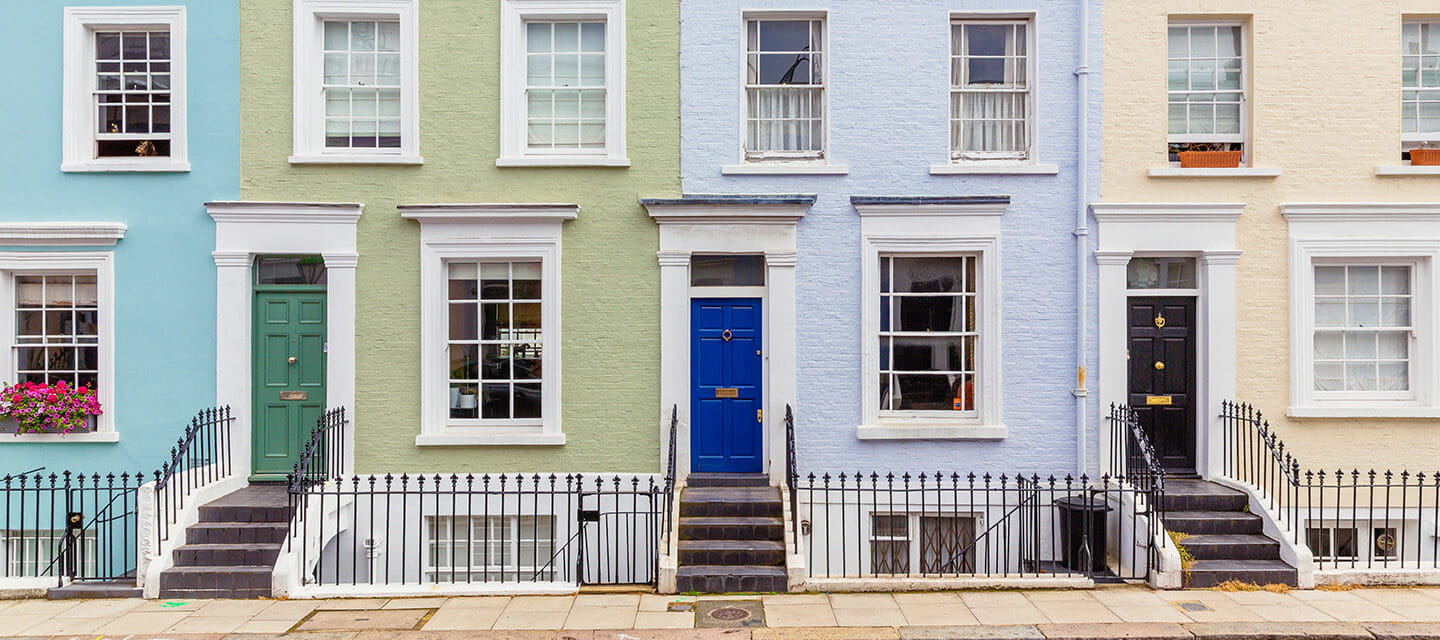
(727, 270)
(290, 270)
(565, 85)
(359, 56)
(56, 319)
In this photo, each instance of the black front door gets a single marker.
(1162, 376)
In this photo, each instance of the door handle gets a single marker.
(1159, 366)
(292, 360)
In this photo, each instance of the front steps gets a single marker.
(95, 590)
(1226, 540)
(732, 535)
(231, 551)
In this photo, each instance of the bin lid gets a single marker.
(1083, 503)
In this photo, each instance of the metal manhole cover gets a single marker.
(729, 614)
(1192, 606)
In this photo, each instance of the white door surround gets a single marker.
(244, 230)
(736, 225)
(1207, 232)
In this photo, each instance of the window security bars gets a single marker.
(202, 456)
(70, 525)
(1348, 519)
(458, 529)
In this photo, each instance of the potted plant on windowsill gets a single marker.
(48, 408)
(1210, 156)
(1426, 155)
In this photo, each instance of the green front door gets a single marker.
(289, 368)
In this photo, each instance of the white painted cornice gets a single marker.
(1168, 211)
(52, 234)
(292, 212)
(1361, 211)
(768, 213)
(987, 209)
(489, 212)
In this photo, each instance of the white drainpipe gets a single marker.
(1082, 236)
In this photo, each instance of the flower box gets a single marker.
(58, 408)
(1425, 157)
(1210, 159)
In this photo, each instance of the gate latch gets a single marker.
(74, 521)
(589, 515)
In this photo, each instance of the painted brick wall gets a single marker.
(164, 277)
(888, 83)
(1326, 109)
(610, 276)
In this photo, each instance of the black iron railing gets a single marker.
(1132, 456)
(1354, 519)
(792, 475)
(670, 474)
(323, 458)
(202, 456)
(949, 525)
(449, 528)
(70, 525)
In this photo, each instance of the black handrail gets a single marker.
(670, 474)
(202, 455)
(792, 475)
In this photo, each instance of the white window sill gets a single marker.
(982, 168)
(1407, 170)
(358, 158)
(1373, 411)
(473, 437)
(1236, 172)
(562, 161)
(784, 169)
(96, 436)
(931, 431)
(130, 166)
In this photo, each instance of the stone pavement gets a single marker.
(1106, 612)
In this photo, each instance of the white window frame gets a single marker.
(1415, 139)
(309, 98)
(15, 542)
(1031, 71)
(1242, 138)
(914, 524)
(514, 146)
(464, 542)
(780, 159)
(78, 110)
(101, 263)
(467, 233)
(933, 230)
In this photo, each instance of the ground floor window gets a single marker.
(1351, 542)
(928, 333)
(933, 544)
(496, 340)
(34, 552)
(491, 548)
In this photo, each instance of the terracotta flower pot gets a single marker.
(1210, 159)
(1425, 157)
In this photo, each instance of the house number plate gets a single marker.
(294, 395)
(1158, 400)
(727, 393)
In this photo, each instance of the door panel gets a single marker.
(288, 396)
(1162, 375)
(726, 431)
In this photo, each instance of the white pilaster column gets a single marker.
(1113, 378)
(233, 307)
(674, 355)
(1218, 362)
(781, 359)
(340, 341)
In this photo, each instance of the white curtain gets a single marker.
(785, 119)
(991, 116)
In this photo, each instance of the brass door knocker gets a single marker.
(1159, 321)
(726, 335)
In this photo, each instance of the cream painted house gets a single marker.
(1303, 281)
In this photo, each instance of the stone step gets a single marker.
(1232, 547)
(236, 533)
(731, 501)
(211, 594)
(1199, 495)
(211, 513)
(227, 555)
(220, 580)
(727, 480)
(93, 590)
(712, 579)
(736, 528)
(732, 553)
(1204, 574)
(1213, 522)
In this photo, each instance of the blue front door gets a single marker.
(725, 380)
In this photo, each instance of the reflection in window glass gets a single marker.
(57, 330)
(784, 90)
(1362, 327)
(727, 271)
(495, 339)
(290, 270)
(1161, 273)
(928, 333)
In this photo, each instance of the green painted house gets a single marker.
(459, 183)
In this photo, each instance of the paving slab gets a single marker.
(530, 620)
(541, 603)
(830, 633)
(993, 632)
(1277, 631)
(1359, 611)
(472, 619)
(105, 608)
(234, 608)
(266, 635)
(1404, 630)
(142, 622)
(862, 600)
(512, 634)
(1102, 631)
(59, 625)
(208, 624)
(804, 615)
(622, 617)
(1395, 597)
(664, 620)
(1292, 611)
(287, 610)
(995, 599)
(881, 617)
(938, 614)
(607, 600)
(351, 604)
(674, 634)
(1076, 612)
(1026, 614)
(353, 620)
(476, 602)
(269, 627)
(415, 603)
(1430, 613)
(651, 602)
(1163, 612)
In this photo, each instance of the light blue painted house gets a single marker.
(127, 123)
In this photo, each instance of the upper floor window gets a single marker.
(785, 89)
(1420, 83)
(1207, 87)
(562, 83)
(990, 90)
(124, 89)
(355, 87)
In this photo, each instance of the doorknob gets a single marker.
(1159, 366)
(292, 360)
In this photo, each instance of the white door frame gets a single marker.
(728, 224)
(244, 230)
(1205, 230)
